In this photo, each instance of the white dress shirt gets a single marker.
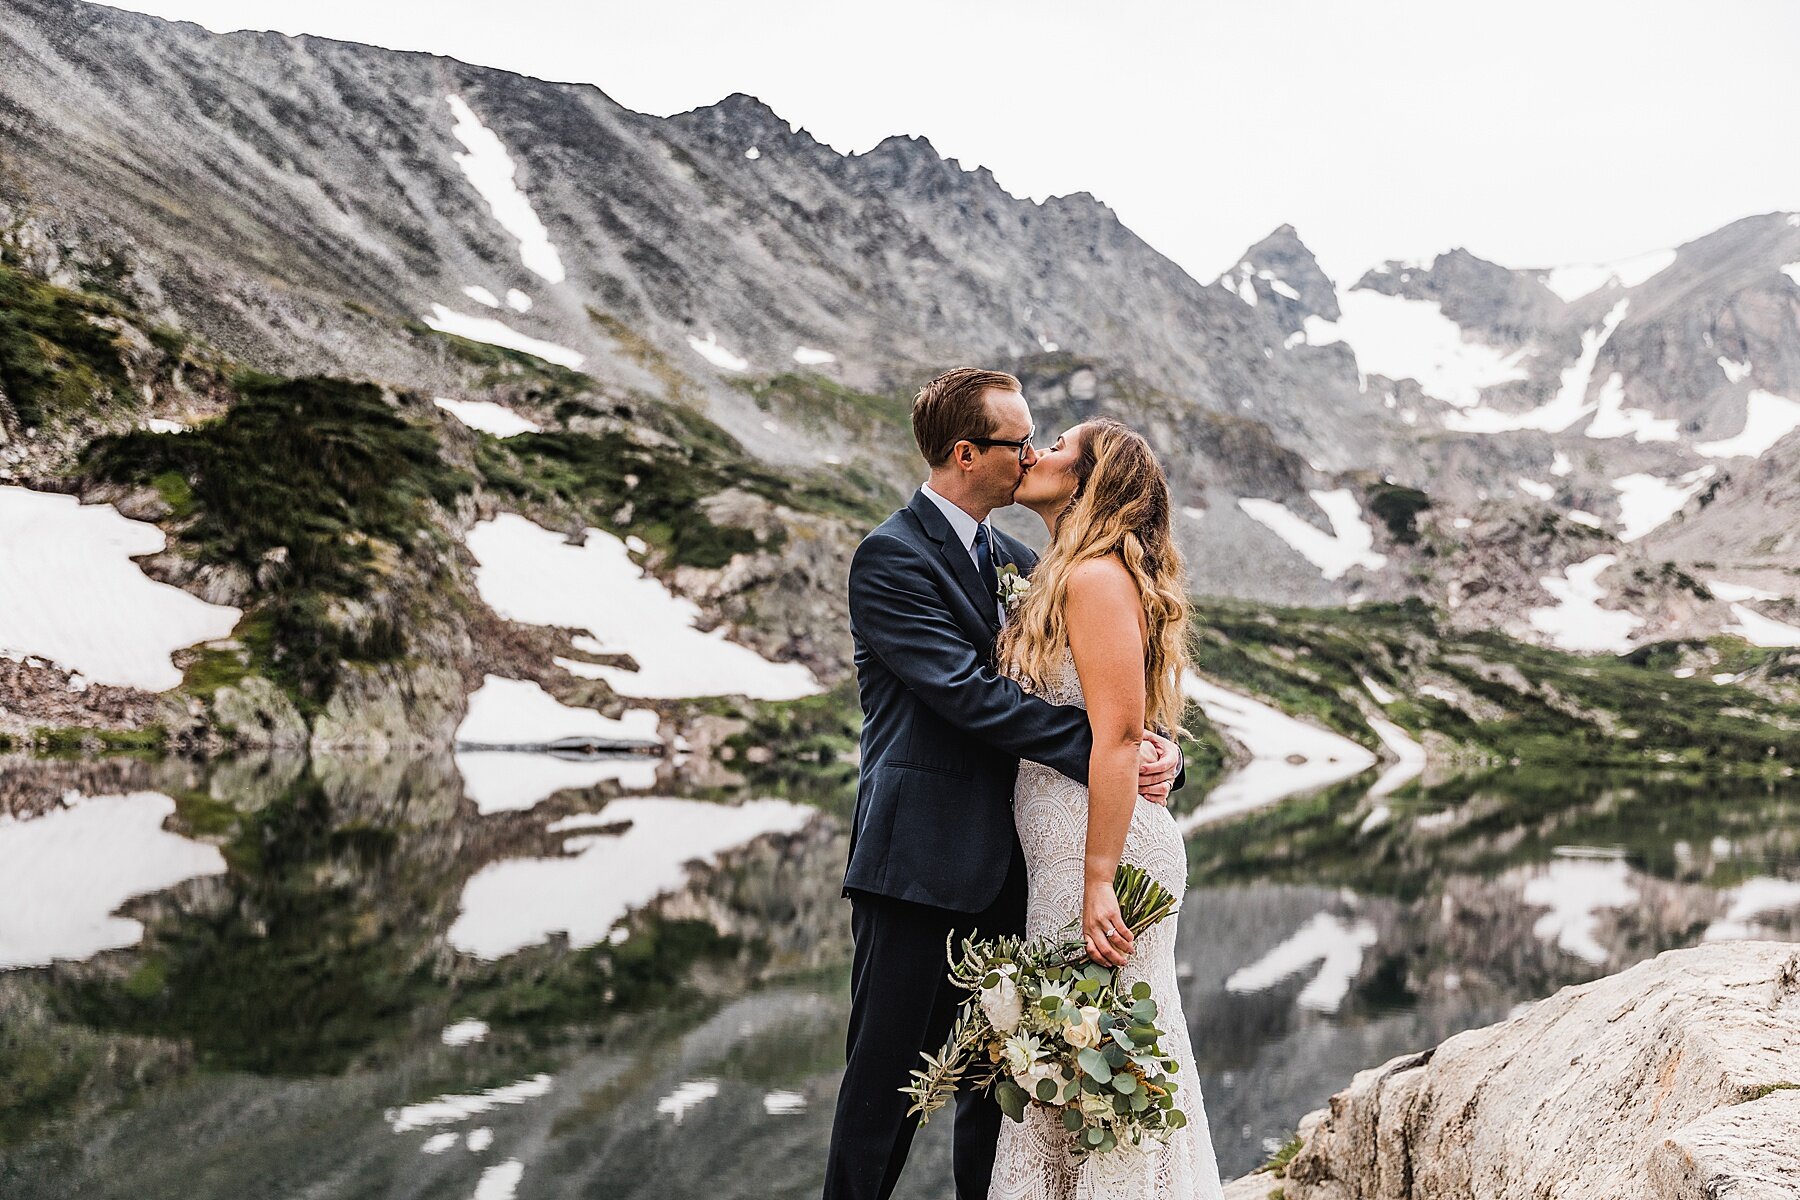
(964, 526)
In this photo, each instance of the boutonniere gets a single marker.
(1013, 587)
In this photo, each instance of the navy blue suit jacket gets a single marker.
(943, 731)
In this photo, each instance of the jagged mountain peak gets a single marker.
(740, 121)
(1281, 270)
(1476, 293)
(739, 111)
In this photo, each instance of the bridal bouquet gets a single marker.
(1045, 1026)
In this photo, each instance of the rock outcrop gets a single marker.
(1678, 1079)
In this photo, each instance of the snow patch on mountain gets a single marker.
(1403, 338)
(1614, 420)
(1768, 418)
(497, 333)
(70, 593)
(1576, 622)
(490, 170)
(487, 416)
(518, 712)
(1759, 630)
(716, 354)
(1646, 502)
(1350, 544)
(1568, 406)
(1735, 592)
(1578, 280)
(528, 573)
(1539, 490)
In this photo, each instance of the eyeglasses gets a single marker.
(1022, 444)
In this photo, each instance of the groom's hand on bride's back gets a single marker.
(1159, 761)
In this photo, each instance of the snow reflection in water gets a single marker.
(63, 874)
(519, 902)
(1305, 955)
(1287, 755)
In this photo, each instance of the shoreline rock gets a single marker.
(1676, 1079)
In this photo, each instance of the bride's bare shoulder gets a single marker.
(1100, 586)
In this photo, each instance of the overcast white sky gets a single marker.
(1533, 132)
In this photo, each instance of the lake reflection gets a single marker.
(387, 992)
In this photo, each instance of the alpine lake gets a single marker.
(523, 976)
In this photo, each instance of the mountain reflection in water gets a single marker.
(308, 1020)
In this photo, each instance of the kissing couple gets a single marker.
(1010, 760)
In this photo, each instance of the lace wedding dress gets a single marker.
(1033, 1161)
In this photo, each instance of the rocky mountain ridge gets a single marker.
(1541, 451)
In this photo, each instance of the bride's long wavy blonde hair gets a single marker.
(1120, 506)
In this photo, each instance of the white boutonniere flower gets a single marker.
(1013, 587)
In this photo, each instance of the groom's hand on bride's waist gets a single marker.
(1159, 760)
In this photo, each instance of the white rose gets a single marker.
(1085, 1033)
(1002, 1005)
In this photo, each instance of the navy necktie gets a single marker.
(984, 562)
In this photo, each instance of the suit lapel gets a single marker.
(957, 558)
(957, 555)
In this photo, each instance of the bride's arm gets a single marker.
(1106, 616)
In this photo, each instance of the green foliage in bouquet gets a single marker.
(1044, 1025)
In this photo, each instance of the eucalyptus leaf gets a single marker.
(1011, 1098)
(1095, 1065)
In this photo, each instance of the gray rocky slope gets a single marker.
(302, 204)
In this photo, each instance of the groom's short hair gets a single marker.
(953, 407)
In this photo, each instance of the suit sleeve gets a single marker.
(898, 614)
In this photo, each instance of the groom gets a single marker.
(933, 853)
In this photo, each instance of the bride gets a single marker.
(1103, 625)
